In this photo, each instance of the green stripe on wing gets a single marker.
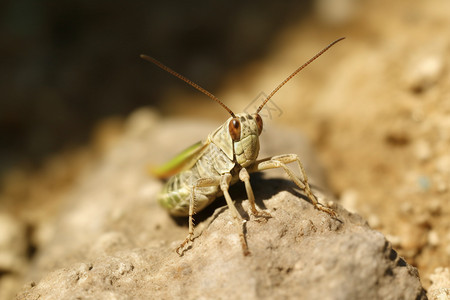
(183, 161)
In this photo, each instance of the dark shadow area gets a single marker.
(32, 247)
(401, 262)
(393, 255)
(66, 65)
(263, 189)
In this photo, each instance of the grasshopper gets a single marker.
(207, 169)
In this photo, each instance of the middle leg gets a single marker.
(245, 177)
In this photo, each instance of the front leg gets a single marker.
(280, 161)
(245, 177)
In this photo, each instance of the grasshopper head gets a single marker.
(244, 130)
(238, 137)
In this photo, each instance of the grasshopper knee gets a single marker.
(286, 158)
(243, 175)
(225, 182)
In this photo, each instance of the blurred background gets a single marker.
(66, 65)
(376, 106)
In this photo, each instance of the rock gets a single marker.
(13, 244)
(422, 150)
(13, 251)
(440, 287)
(299, 253)
(114, 242)
(424, 72)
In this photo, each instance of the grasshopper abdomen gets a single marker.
(175, 196)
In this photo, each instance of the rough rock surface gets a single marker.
(440, 287)
(112, 241)
(13, 251)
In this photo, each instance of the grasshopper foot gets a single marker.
(261, 215)
(245, 250)
(185, 245)
(326, 209)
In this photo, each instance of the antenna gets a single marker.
(190, 82)
(296, 71)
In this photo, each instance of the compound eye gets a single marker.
(235, 129)
(259, 123)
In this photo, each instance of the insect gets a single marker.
(207, 169)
